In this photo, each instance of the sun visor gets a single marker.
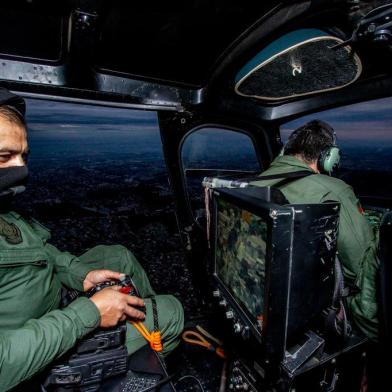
(299, 63)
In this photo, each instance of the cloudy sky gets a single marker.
(365, 121)
(74, 130)
(369, 122)
(82, 129)
(45, 115)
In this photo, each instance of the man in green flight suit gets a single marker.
(312, 148)
(33, 329)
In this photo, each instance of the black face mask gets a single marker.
(13, 180)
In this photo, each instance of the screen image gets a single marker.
(240, 256)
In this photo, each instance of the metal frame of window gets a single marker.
(219, 127)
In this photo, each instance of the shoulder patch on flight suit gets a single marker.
(10, 232)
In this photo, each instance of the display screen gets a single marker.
(240, 256)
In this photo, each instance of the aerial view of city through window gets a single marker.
(98, 176)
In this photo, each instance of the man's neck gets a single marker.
(312, 165)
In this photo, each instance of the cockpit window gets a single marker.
(215, 151)
(93, 171)
(98, 176)
(364, 135)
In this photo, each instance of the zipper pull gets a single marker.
(41, 263)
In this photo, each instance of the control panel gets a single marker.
(239, 326)
(243, 378)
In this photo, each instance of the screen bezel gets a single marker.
(261, 209)
(285, 225)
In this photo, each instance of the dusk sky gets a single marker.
(369, 122)
(76, 130)
(45, 115)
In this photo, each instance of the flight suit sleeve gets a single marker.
(357, 253)
(68, 268)
(27, 350)
(355, 234)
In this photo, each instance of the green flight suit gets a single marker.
(33, 330)
(356, 240)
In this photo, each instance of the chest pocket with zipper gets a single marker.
(28, 287)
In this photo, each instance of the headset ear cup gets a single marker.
(329, 160)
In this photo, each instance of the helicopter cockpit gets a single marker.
(211, 91)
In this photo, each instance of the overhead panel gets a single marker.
(175, 41)
(303, 62)
(32, 43)
(29, 32)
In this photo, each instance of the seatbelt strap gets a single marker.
(286, 177)
(337, 320)
(208, 184)
(155, 314)
(154, 337)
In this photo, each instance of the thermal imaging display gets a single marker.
(240, 255)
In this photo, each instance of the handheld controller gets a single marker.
(127, 287)
(99, 356)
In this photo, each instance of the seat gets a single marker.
(377, 368)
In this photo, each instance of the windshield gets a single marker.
(364, 135)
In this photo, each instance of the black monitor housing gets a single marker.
(272, 264)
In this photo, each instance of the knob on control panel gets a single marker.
(237, 327)
(245, 333)
(242, 379)
(223, 303)
(238, 384)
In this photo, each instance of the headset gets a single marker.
(329, 158)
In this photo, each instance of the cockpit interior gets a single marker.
(144, 121)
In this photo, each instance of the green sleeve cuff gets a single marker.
(87, 313)
(79, 272)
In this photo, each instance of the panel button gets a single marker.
(230, 314)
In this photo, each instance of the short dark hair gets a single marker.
(310, 140)
(12, 116)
